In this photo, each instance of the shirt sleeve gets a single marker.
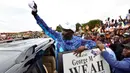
(48, 31)
(123, 65)
(89, 44)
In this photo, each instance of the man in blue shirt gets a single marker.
(64, 41)
(122, 66)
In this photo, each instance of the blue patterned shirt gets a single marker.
(63, 45)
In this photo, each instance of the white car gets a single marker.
(26, 56)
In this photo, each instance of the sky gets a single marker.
(15, 15)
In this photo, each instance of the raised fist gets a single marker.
(33, 6)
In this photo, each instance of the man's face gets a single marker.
(116, 39)
(67, 35)
(102, 38)
(126, 52)
(107, 36)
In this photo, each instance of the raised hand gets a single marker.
(33, 6)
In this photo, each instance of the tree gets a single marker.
(77, 26)
(58, 29)
(93, 23)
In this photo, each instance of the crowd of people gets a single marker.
(114, 35)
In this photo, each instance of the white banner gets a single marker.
(86, 63)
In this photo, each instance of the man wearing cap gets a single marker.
(64, 41)
(122, 66)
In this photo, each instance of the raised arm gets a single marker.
(89, 44)
(48, 31)
(85, 45)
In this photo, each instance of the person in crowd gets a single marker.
(117, 47)
(87, 36)
(102, 37)
(126, 36)
(116, 23)
(108, 22)
(124, 21)
(128, 17)
(122, 66)
(112, 23)
(103, 28)
(65, 41)
(108, 38)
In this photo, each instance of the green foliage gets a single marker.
(92, 23)
(58, 29)
(77, 26)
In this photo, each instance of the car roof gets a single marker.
(15, 52)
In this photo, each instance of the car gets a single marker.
(37, 55)
(28, 56)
